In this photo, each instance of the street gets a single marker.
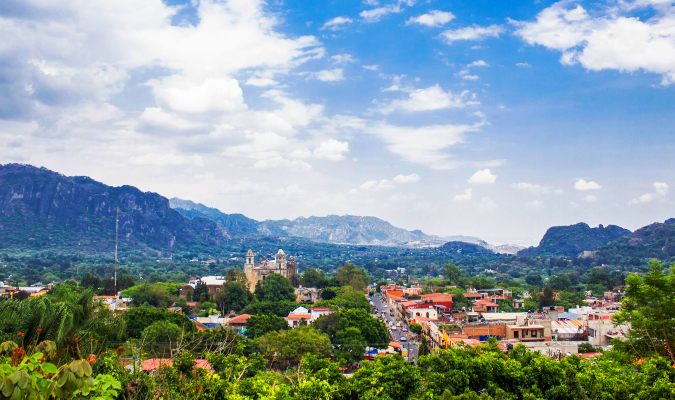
(397, 328)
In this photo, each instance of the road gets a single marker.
(411, 344)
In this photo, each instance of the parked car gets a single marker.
(403, 338)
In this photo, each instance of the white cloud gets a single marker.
(483, 177)
(474, 32)
(375, 14)
(330, 75)
(336, 23)
(467, 75)
(523, 65)
(466, 195)
(584, 185)
(424, 145)
(410, 178)
(660, 191)
(432, 18)
(331, 149)
(478, 64)
(344, 58)
(388, 184)
(198, 95)
(430, 99)
(661, 188)
(589, 198)
(535, 188)
(632, 37)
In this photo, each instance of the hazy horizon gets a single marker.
(464, 118)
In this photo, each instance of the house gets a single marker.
(525, 333)
(428, 312)
(317, 312)
(564, 329)
(297, 317)
(307, 295)
(214, 285)
(518, 303)
(484, 305)
(443, 300)
(212, 321)
(239, 323)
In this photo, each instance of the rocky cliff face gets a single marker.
(574, 239)
(42, 208)
(656, 240)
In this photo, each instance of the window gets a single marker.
(515, 334)
(533, 333)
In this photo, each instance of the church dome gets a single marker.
(249, 253)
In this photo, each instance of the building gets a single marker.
(428, 312)
(307, 295)
(259, 272)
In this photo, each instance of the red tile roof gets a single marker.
(240, 319)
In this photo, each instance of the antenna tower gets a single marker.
(117, 236)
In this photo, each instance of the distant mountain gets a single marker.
(573, 239)
(349, 229)
(41, 209)
(234, 224)
(652, 241)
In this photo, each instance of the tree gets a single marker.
(138, 318)
(350, 345)
(424, 347)
(385, 378)
(314, 278)
(534, 280)
(161, 337)
(234, 297)
(415, 328)
(284, 349)
(649, 307)
(91, 281)
(151, 294)
(275, 288)
(201, 292)
(452, 273)
(351, 275)
(259, 325)
(346, 298)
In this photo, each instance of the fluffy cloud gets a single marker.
(483, 177)
(535, 188)
(474, 32)
(336, 23)
(375, 14)
(424, 145)
(387, 184)
(583, 185)
(478, 64)
(410, 178)
(331, 149)
(430, 99)
(633, 36)
(432, 18)
(330, 75)
(466, 195)
(660, 191)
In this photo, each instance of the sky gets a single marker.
(496, 119)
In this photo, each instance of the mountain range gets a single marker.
(574, 239)
(42, 209)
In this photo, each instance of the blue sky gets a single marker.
(489, 118)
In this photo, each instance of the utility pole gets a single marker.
(117, 236)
